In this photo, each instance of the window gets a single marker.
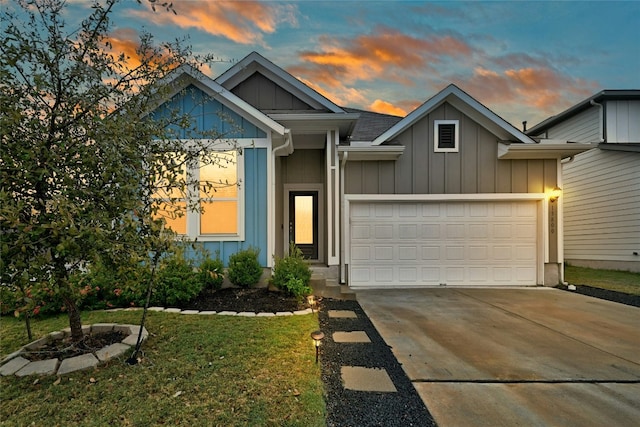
(446, 136)
(218, 197)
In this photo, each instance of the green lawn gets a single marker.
(621, 281)
(195, 370)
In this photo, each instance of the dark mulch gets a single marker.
(65, 349)
(359, 408)
(257, 300)
(614, 296)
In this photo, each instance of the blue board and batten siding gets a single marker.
(207, 115)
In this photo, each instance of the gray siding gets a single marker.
(264, 94)
(623, 121)
(303, 167)
(474, 169)
(601, 194)
(583, 127)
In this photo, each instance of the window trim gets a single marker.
(194, 217)
(436, 136)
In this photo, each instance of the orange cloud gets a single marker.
(384, 107)
(540, 90)
(243, 22)
(125, 43)
(385, 53)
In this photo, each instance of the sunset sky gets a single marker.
(524, 60)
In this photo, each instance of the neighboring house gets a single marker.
(601, 186)
(449, 195)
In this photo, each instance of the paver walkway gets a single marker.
(364, 383)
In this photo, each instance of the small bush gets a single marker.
(211, 273)
(292, 274)
(176, 282)
(244, 268)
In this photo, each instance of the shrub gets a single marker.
(211, 273)
(292, 273)
(244, 268)
(176, 282)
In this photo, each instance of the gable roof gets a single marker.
(253, 62)
(604, 95)
(185, 75)
(466, 104)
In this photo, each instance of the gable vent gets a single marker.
(446, 136)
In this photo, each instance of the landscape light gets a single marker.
(317, 336)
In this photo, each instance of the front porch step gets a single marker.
(330, 288)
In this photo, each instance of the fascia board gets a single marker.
(465, 103)
(379, 152)
(519, 151)
(236, 74)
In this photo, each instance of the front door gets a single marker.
(303, 222)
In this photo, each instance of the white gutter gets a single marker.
(287, 143)
(601, 122)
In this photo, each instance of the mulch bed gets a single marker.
(65, 349)
(256, 300)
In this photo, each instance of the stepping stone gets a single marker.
(77, 363)
(367, 379)
(351, 337)
(342, 314)
(41, 367)
(13, 366)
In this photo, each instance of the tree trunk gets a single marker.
(27, 321)
(75, 323)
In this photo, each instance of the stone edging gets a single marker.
(232, 313)
(15, 364)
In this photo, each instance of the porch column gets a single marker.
(333, 198)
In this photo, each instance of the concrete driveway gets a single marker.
(514, 357)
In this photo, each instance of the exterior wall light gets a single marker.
(317, 336)
(555, 194)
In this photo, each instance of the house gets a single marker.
(601, 186)
(449, 195)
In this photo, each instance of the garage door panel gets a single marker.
(383, 253)
(459, 243)
(430, 231)
(408, 231)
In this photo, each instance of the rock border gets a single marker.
(15, 364)
(229, 313)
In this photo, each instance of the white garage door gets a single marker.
(443, 243)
